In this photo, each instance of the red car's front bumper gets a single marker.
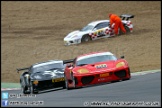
(101, 77)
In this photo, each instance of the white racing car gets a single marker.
(96, 30)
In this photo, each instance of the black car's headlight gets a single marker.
(37, 77)
(35, 82)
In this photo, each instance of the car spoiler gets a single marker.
(20, 69)
(126, 16)
(68, 61)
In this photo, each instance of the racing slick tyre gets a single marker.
(64, 86)
(126, 28)
(73, 81)
(32, 91)
(24, 87)
(24, 90)
(86, 38)
(66, 83)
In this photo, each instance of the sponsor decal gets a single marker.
(101, 66)
(104, 75)
(58, 80)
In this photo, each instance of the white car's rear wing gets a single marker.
(126, 16)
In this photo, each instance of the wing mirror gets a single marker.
(69, 65)
(122, 57)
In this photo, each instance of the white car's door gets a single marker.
(101, 30)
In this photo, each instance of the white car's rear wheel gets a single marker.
(126, 28)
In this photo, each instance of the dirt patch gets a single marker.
(33, 31)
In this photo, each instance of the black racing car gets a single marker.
(42, 76)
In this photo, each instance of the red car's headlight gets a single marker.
(83, 70)
(120, 64)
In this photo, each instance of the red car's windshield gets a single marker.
(94, 59)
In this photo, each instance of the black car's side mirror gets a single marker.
(122, 57)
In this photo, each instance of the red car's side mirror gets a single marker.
(69, 65)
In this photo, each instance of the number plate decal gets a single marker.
(104, 75)
(58, 80)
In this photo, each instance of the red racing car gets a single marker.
(95, 68)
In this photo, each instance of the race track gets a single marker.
(141, 88)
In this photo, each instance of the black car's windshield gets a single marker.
(94, 58)
(47, 66)
(88, 27)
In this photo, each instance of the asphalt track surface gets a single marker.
(139, 90)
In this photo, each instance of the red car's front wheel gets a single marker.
(70, 84)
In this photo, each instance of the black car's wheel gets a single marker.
(32, 90)
(25, 90)
(86, 38)
(64, 86)
(24, 87)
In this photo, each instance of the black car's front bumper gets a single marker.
(48, 84)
